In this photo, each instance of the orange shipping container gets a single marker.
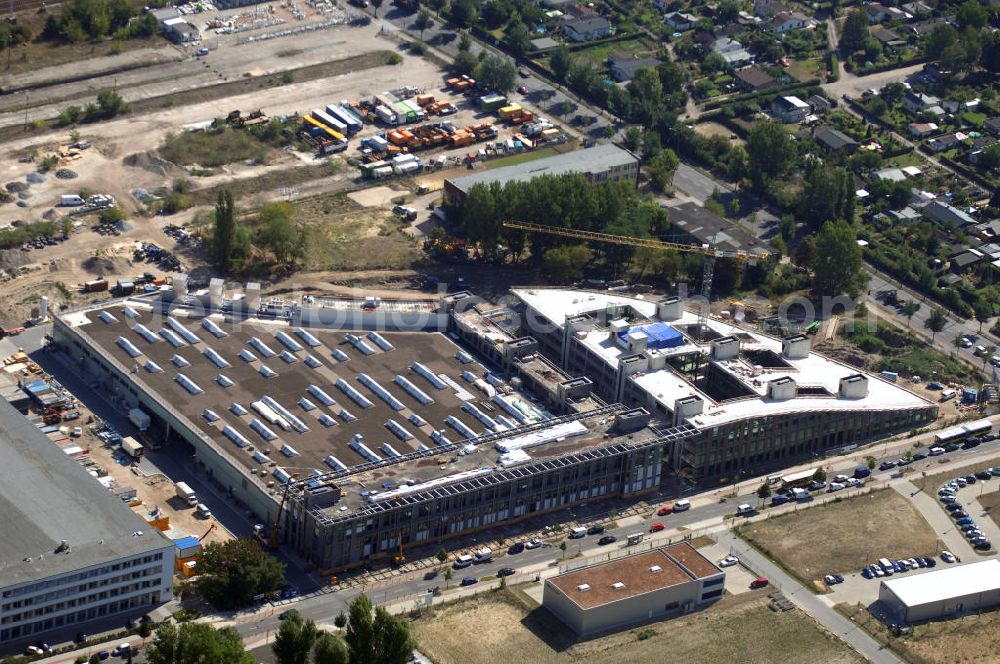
(423, 100)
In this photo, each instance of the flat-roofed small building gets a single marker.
(944, 592)
(663, 582)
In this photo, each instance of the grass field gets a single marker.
(599, 54)
(843, 536)
(971, 639)
(209, 149)
(500, 628)
(340, 234)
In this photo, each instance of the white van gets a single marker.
(935, 451)
(578, 532)
(885, 564)
(682, 505)
(463, 561)
(744, 510)
(484, 555)
(947, 395)
(202, 510)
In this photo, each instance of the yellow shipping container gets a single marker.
(508, 112)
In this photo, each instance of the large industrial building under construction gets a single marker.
(455, 416)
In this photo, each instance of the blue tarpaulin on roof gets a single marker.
(186, 543)
(659, 335)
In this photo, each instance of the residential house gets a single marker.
(918, 102)
(876, 13)
(789, 109)
(978, 147)
(623, 66)
(680, 22)
(922, 129)
(945, 141)
(988, 231)
(992, 125)
(587, 28)
(787, 21)
(965, 259)
(768, 8)
(819, 103)
(733, 52)
(905, 216)
(753, 79)
(947, 214)
(834, 140)
(891, 174)
(915, 9)
(887, 37)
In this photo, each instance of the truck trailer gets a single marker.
(185, 493)
(139, 418)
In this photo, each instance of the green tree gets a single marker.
(393, 641)
(564, 263)
(496, 73)
(375, 6)
(661, 168)
(971, 15)
(632, 138)
(819, 475)
(277, 232)
(983, 312)
(110, 104)
(464, 63)
(224, 233)
(330, 649)
(909, 309)
(871, 462)
(233, 572)
(770, 151)
(360, 634)
(442, 555)
(341, 620)
(463, 13)
(464, 41)
(837, 265)
(827, 193)
(651, 145)
(517, 38)
(197, 643)
(764, 491)
(936, 321)
(145, 630)
(989, 159)
(422, 22)
(942, 37)
(294, 640)
(855, 31)
(560, 62)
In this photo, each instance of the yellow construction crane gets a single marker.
(709, 252)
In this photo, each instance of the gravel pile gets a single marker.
(14, 187)
(65, 174)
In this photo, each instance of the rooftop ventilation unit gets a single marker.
(262, 429)
(288, 357)
(130, 312)
(460, 426)
(382, 393)
(464, 357)
(510, 408)
(359, 344)
(346, 415)
(307, 337)
(326, 420)
(510, 424)
(260, 457)
(655, 568)
(429, 375)
(247, 356)
(618, 585)
(214, 329)
(363, 449)
(439, 438)
(339, 355)
(152, 367)
(224, 381)
(390, 451)
(355, 396)
(215, 358)
(306, 405)
(380, 341)
(210, 415)
(270, 415)
(417, 420)
(188, 384)
(299, 425)
(288, 342)
(468, 376)
(323, 397)
(237, 409)
(583, 587)
(179, 328)
(280, 475)
(312, 362)
(334, 463)
(289, 451)
(108, 317)
(180, 361)
(398, 430)
(422, 448)
(232, 434)
(128, 347)
(412, 389)
(267, 372)
(172, 337)
(485, 419)
(261, 347)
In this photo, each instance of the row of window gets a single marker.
(34, 588)
(80, 602)
(54, 622)
(82, 588)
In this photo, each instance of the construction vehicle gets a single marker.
(51, 416)
(237, 120)
(210, 529)
(399, 558)
(710, 253)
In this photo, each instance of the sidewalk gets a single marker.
(936, 518)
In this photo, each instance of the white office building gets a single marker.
(71, 553)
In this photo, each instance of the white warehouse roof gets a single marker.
(947, 583)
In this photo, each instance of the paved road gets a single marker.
(815, 605)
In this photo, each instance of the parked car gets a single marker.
(953, 507)
(505, 571)
(961, 514)
(833, 579)
(982, 545)
(984, 475)
(656, 527)
(665, 510)
(759, 582)
(607, 539)
(515, 548)
(595, 530)
(965, 520)
(430, 574)
(728, 561)
(887, 465)
(469, 580)
(533, 543)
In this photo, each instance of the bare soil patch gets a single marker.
(507, 630)
(843, 536)
(709, 129)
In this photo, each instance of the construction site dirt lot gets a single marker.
(843, 536)
(509, 627)
(974, 638)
